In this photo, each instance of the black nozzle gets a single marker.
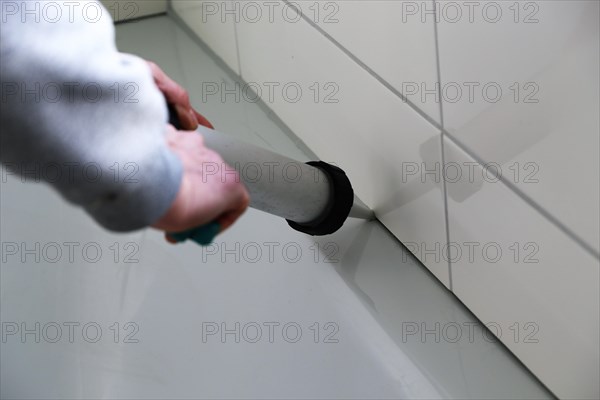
(339, 205)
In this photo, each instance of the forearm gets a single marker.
(89, 120)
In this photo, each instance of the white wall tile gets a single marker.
(214, 24)
(122, 10)
(545, 137)
(355, 122)
(523, 269)
(390, 37)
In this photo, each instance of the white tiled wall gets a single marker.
(528, 279)
(122, 10)
(543, 128)
(413, 60)
(365, 129)
(541, 132)
(211, 21)
(516, 113)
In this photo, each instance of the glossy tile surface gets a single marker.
(347, 117)
(520, 273)
(391, 38)
(533, 112)
(367, 294)
(214, 22)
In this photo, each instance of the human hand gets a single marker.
(202, 198)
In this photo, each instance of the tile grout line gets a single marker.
(443, 153)
(589, 249)
(137, 19)
(364, 66)
(237, 50)
(235, 77)
(527, 199)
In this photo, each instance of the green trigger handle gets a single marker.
(203, 235)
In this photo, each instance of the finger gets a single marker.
(187, 119)
(174, 93)
(170, 239)
(179, 97)
(202, 120)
